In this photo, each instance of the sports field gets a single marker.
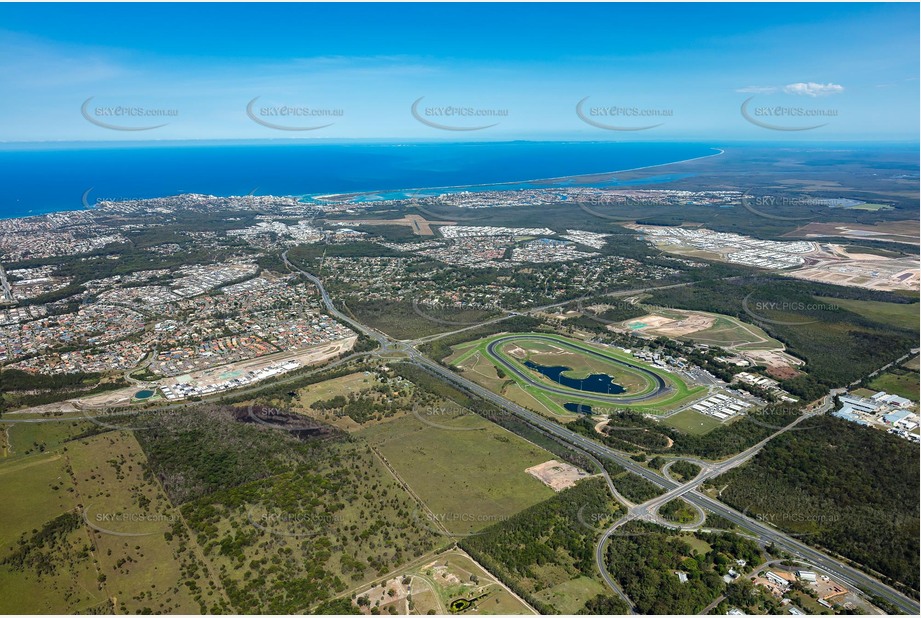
(517, 366)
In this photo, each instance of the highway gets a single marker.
(6, 292)
(845, 573)
(544, 308)
(837, 568)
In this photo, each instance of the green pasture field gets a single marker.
(692, 422)
(272, 539)
(54, 575)
(32, 438)
(902, 384)
(464, 468)
(322, 391)
(43, 490)
(570, 596)
(143, 549)
(895, 314)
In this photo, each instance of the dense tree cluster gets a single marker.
(556, 535)
(838, 346)
(841, 486)
(635, 433)
(684, 471)
(678, 511)
(375, 403)
(605, 605)
(631, 486)
(48, 548)
(296, 525)
(208, 449)
(645, 558)
(29, 389)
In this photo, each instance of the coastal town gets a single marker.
(170, 311)
(460, 309)
(171, 323)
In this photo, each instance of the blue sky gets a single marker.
(519, 70)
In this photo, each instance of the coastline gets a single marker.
(415, 190)
(518, 182)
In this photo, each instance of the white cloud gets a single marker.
(813, 89)
(757, 90)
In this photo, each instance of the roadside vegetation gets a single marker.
(839, 486)
(645, 560)
(634, 433)
(546, 553)
(817, 322)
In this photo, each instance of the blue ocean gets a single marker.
(38, 179)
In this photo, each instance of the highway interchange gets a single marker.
(689, 491)
(407, 351)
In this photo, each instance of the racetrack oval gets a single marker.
(659, 385)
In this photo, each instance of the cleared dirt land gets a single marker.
(894, 231)
(874, 274)
(557, 475)
(746, 340)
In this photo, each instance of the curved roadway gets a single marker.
(834, 566)
(846, 574)
(660, 385)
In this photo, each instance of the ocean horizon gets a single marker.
(50, 178)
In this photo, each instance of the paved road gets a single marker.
(542, 308)
(6, 292)
(660, 386)
(836, 568)
(10, 417)
(897, 361)
(848, 575)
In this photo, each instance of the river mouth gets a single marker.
(594, 383)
